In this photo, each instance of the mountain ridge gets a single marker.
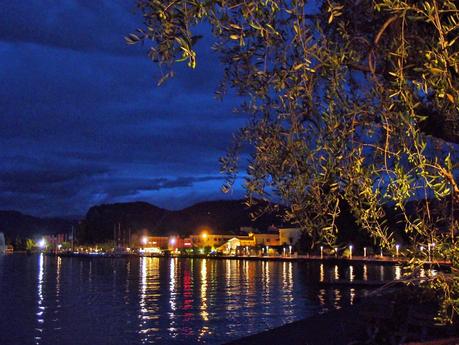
(98, 224)
(221, 216)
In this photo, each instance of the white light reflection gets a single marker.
(58, 289)
(322, 273)
(336, 271)
(172, 300)
(365, 272)
(398, 272)
(58, 274)
(322, 295)
(172, 297)
(41, 308)
(352, 296)
(265, 279)
(287, 281)
(149, 286)
(204, 314)
(143, 283)
(228, 275)
(351, 273)
(143, 294)
(337, 299)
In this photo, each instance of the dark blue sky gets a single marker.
(83, 123)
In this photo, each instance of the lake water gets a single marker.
(78, 301)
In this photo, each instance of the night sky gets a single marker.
(83, 122)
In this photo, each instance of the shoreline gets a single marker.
(354, 324)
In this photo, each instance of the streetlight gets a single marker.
(336, 251)
(350, 251)
(144, 240)
(267, 248)
(290, 250)
(284, 249)
(321, 252)
(204, 236)
(397, 247)
(42, 244)
(364, 252)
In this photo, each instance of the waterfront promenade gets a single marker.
(379, 260)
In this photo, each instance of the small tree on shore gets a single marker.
(348, 101)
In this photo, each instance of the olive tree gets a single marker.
(351, 101)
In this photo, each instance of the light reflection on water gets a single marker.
(165, 301)
(40, 308)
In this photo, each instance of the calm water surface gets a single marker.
(77, 301)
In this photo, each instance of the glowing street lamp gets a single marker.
(290, 250)
(144, 240)
(172, 241)
(42, 244)
(350, 251)
(267, 248)
(397, 248)
(321, 252)
(204, 236)
(364, 252)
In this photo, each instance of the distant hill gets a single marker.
(216, 216)
(15, 224)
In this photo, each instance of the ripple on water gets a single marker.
(163, 301)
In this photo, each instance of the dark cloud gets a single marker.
(72, 24)
(82, 121)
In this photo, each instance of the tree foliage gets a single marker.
(348, 101)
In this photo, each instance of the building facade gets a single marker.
(266, 239)
(289, 236)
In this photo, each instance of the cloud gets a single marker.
(83, 121)
(84, 25)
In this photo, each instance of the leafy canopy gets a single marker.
(352, 101)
